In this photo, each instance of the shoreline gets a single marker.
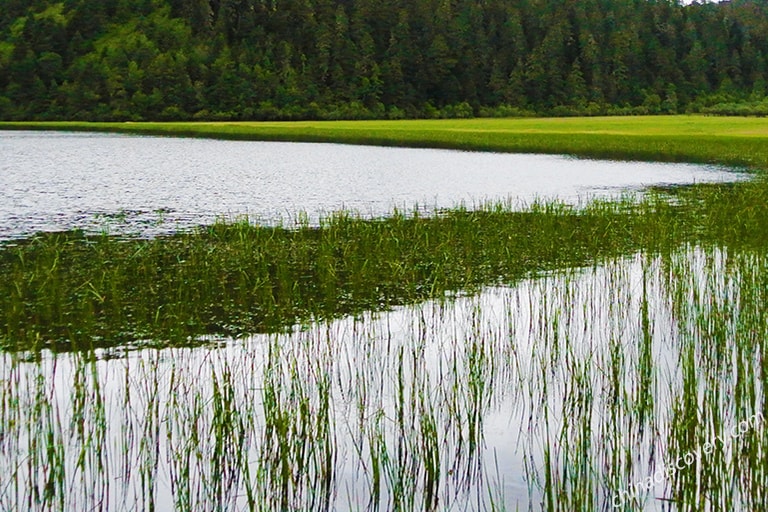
(730, 141)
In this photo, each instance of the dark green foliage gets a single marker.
(248, 60)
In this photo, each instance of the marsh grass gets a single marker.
(369, 364)
(67, 291)
(599, 376)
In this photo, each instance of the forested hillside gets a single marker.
(291, 59)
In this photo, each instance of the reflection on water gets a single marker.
(52, 181)
(560, 391)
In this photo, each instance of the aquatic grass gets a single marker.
(722, 382)
(69, 290)
(289, 421)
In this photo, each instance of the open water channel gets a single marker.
(51, 181)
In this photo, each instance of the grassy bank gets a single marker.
(734, 141)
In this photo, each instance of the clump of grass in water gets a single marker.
(63, 291)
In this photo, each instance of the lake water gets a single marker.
(52, 181)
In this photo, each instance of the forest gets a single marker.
(133, 60)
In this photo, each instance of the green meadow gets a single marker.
(728, 140)
(619, 348)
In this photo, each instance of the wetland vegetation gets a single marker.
(67, 289)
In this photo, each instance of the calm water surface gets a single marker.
(52, 181)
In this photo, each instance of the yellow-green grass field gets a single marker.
(737, 141)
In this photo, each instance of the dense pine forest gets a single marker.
(304, 59)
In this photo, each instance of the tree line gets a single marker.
(329, 59)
